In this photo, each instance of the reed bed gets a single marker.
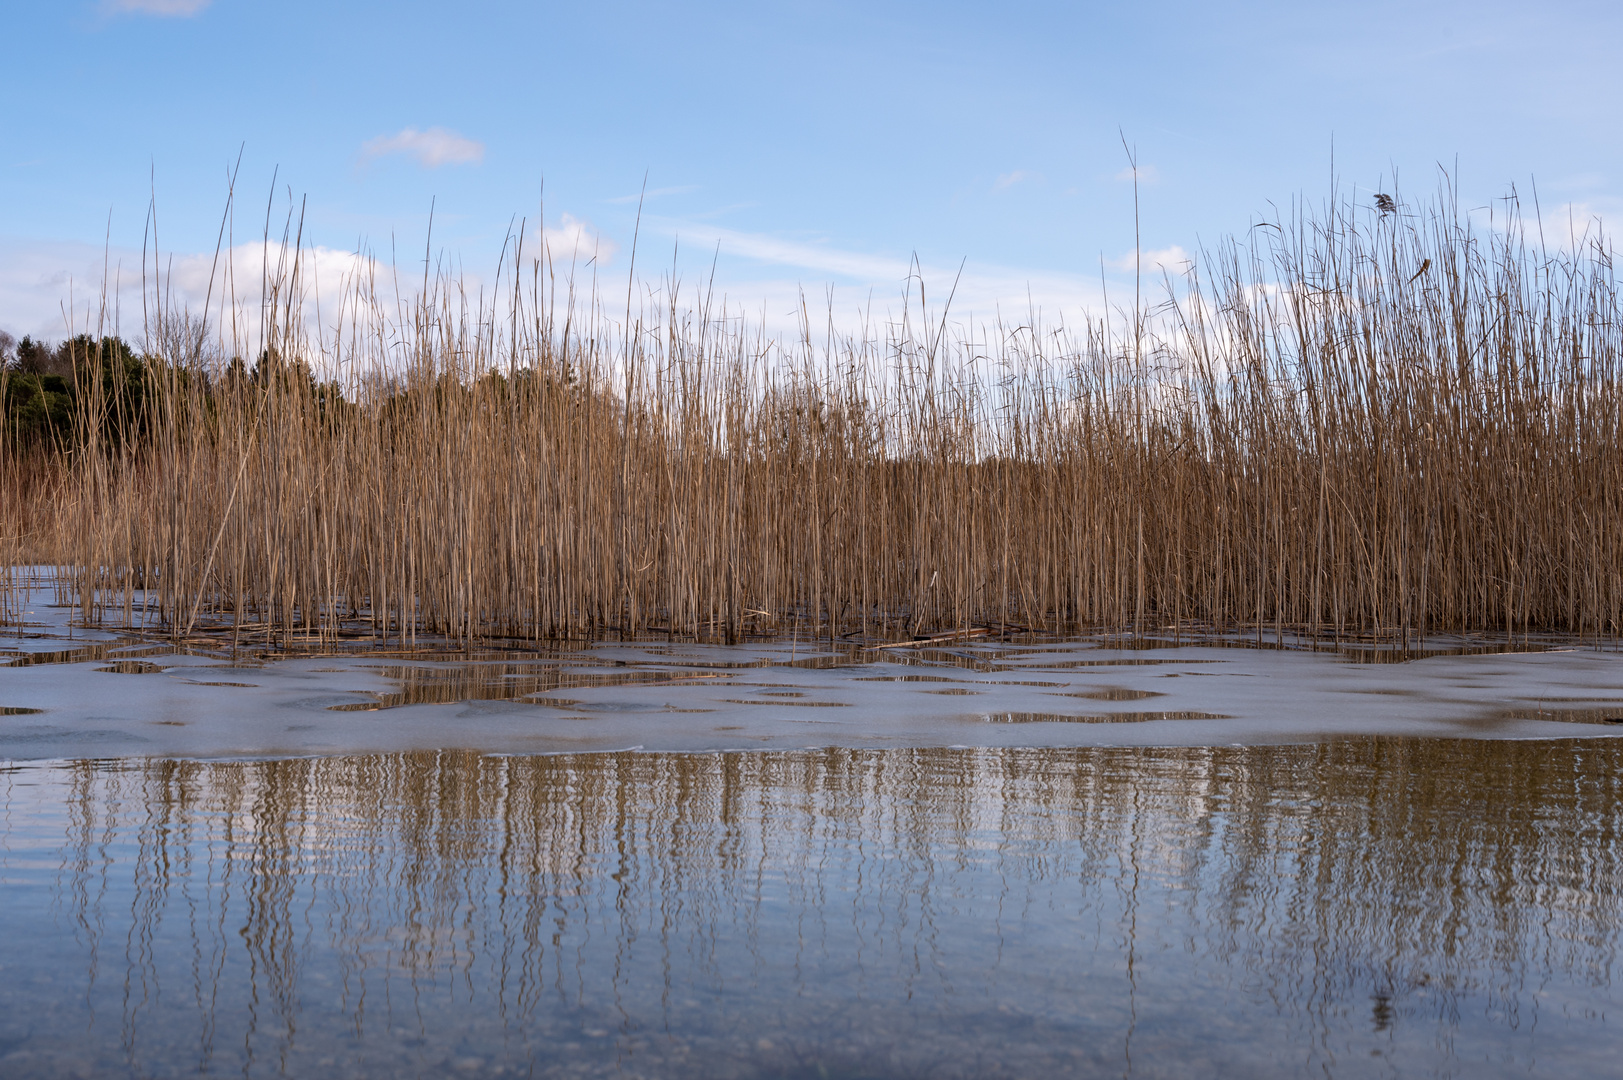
(1347, 423)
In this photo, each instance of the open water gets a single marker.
(1360, 907)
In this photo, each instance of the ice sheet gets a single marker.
(112, 696)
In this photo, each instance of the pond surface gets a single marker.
(1357, 906)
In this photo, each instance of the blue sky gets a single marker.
(819, 144)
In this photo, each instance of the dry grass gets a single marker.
(1347, 424)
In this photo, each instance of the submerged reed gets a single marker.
(1346, 424)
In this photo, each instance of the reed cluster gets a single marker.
(1349, 422)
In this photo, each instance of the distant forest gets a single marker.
(43, 386)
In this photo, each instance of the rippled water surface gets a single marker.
(1357, 907)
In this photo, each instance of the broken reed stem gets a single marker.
(1352, 425)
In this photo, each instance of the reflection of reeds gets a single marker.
(1097, 718)
(422, 685)
(1321, 437)
(232, 893)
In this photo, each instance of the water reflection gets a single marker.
(1351, 908)
(1100, 718)
(447, 684)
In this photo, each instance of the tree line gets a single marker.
(54, 395)
(47, 392)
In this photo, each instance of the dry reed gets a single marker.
(1347, 424)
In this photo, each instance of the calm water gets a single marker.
(1358, 907)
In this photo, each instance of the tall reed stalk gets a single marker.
(1348, 423)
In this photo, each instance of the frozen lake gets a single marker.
(969, 858)
(106, 695)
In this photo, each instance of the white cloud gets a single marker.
(178, 8)
(1174, 260)
(432, 148)
(1565, 227)
(53, 290)
(655, 193)
(1009, 179)
(575, 242)
(1146, 174)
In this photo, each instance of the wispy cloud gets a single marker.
(1146, 174)
(1581, 181)
(1009, 179)
(1172, 259)
(979, 291)
(771, 249)
(167, 8)
(655, 193)
(432, 148)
